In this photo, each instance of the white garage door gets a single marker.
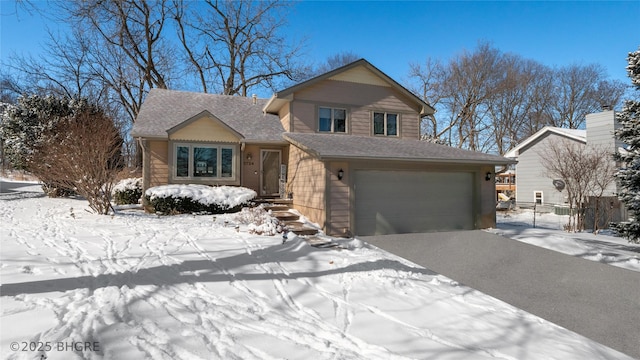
(396, 202)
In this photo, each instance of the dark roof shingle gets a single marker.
(336, 146)
(165, 109)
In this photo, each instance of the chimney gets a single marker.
(605, 107)
(255, 98)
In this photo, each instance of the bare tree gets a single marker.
(471, 80)
(134, 27)
(586, 171)
(513, 101)
(61, 69)
(427, 81)
(487, 100)
(580, 90)
(10, 89)
(233, 46)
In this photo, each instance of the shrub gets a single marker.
(127, 191)
(54, 191)
(259, 221)
(188, 199)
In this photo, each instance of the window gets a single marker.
(196, 161)
(538, 198)
(385, 124)
(205, 161)
(332, 120)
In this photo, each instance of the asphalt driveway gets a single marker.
(599, 301)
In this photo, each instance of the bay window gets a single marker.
(203, 161)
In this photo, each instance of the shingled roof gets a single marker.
(165, 109)
(336, 146)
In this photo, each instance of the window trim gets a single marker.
(385, 124)
(535, 197)
(191, 166)
(332, 130)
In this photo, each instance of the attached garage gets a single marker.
(393, 202)
(366, 185)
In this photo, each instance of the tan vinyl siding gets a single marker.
(486, 198)
(158, 162)
(307, 182)
(410, 126)
(304, 117)
(285, 117)
(361, 123)
(360, 100)
(360, 75)
(339, 209)
(204, 129)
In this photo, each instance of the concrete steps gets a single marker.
(281, 210)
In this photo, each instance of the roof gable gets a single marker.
(204, 127)
(573, 134)
(360, 71)
(169, 110)
(360, 74)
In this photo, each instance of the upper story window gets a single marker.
(385, 124)
(332, 120)
(200, 161)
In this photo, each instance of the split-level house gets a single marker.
(344, 146)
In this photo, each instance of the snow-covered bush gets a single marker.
(259, 221)
(187, 199)
(127, 191)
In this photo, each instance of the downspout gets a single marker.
(145, 170)
(241, 169)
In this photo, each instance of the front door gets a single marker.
(270, 170)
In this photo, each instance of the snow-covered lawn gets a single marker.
(548, 233)
(139, 286)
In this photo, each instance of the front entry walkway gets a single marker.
(596, 300)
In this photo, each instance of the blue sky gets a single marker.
(393, 34)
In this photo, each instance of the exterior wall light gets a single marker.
(487, 177)
(340, 174)
(249, 156)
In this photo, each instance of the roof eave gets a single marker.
(275, 103)
(150, 136)
(421, 160)
(515, 152)
(270, 142)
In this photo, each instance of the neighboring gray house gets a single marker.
(532, 184)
